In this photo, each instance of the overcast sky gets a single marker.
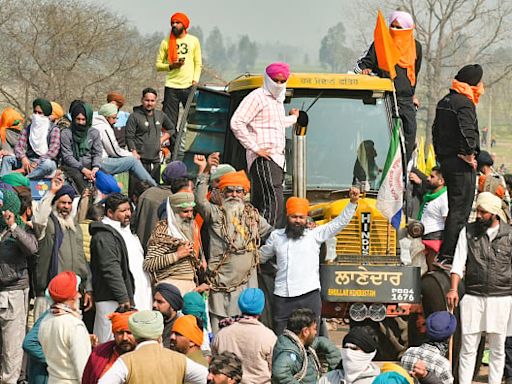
(294, 22)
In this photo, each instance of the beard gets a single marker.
(186, 225)
(294, 231)
(177, 31)
(65, 222)
(481, 226)
(430, 187)
(234, 210)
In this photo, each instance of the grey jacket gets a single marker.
(92, 159)
(16, 247)
(143, 132)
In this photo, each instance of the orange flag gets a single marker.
(387, 52)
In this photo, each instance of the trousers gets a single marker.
(267, 190)
(284, 306)
(460, 181)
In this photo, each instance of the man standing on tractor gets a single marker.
(483, 257)
(259, 124)
(402, 32)
(457, 144)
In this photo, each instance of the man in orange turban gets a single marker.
(402, 33)
(105, 355)
(297, 251)
(187, 338)
(180, 56)
(235, 230)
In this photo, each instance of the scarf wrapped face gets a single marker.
(275, 89)
(38, 137)
(472, 92)
(355, 362)
(11, 202)
(80, 143)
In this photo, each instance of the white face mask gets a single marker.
(275, 89)
(38, 133)
(355, 363)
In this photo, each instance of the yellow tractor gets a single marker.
(363, 279)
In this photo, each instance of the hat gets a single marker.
(396, 369)
(79, 107)
(278, 68)
(15, 179)
(187, 326)
(194, 304)
(171, 294)
(108, 109)
(45, 105)
(235, 179)
(120, 320)
(117, 97)
(361, 337)
(181, 18)
(182, 200)
(12, 203)
(146, 325)
(484, 158)
(297, 206)
(221, 170)
(10, 118)
(441, 325)
(390, 378)
(404, 19)
(63, 287)
(174, 170)
(106, 183)
(251, 301)
(57, 110)
(491, 203)
(64, 190)
(228, 364)
(470, 74)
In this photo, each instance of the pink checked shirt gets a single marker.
(260, 122)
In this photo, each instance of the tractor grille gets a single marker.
(382, 242)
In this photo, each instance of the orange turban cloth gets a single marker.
(117, 97)
(297, 206)
(187, 326)
(172, 49)
(120, 321)
(235, 179)
(57, 111)
(10, 119)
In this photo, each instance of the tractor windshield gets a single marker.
(347, 140)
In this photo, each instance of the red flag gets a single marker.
(387, 52)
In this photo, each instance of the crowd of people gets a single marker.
(165, 283)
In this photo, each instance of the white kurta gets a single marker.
(142, 296)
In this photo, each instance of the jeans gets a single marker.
(171, 105)
(45, 167)
(115, 165)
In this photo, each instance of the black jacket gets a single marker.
(143, 132)
(111, 276)
(403, 86)
(489, 264)
(455, 128)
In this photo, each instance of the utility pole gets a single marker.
(489, 123)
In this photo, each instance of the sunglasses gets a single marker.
(234, 189)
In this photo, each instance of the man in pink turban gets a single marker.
(259, 124)
(401, 28)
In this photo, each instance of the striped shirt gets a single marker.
(259, 123)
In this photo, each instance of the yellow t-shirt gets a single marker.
(188, 49)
